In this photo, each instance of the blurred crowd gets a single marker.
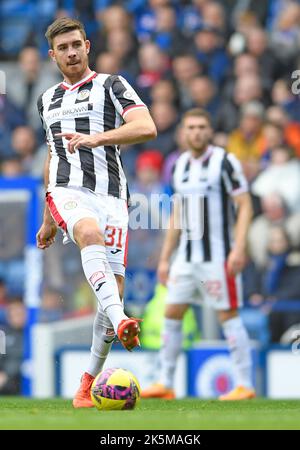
(239, 60)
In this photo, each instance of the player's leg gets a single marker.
(224, 292)
(82, 215)
(239, 345)
(181, 293)
(168, 354)
(97, 270)
(116, 241)
(103, 338)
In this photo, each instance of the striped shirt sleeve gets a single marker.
(233, 176)
(124, 96)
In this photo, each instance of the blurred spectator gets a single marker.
(121, 44)
(108, 62)
(181, 146)
(148, 170)
(133, 6)
(165, 118)
(147, 237)
(51, 307)
(24, 145)
(3, 293)
(147, 21)
(16, 20)
(113, 18)
(10, 118)
(246, 141)
(244, 65)
(285, 36)
(257, 45)
(10, 363)
(164, 91)
(153, 66)
(213, 14)
(283, 166)
(84, 10)
(281, 280)
(273, 137)
(282, 95)
(274, 212)
(203, 94)
(185, 68)
(11, 167)
(278, 116)
(246, 89)
(27, 83)
(192, 16)
(210, 51)
(114, 25)
(166, 34)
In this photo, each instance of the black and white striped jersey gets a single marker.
(206, 186)
(95, 104)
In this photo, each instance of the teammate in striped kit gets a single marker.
(86, 118)
(208, 259)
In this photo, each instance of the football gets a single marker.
(115, 389)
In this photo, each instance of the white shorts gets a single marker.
(70, 204)
(209, 282)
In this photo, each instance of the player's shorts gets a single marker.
(70, 204)
(209, 283)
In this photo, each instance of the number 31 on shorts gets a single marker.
(113, 236)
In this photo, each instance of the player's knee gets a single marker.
(175, 312)
(86, 232)
(227, 315)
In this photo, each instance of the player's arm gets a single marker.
(46, 234)
(170, 243)
(237, 257)
(138, 127)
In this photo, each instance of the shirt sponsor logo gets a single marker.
(65, 113)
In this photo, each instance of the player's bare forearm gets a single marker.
(171, 238)
(244, 217)
(237, 257)
(134, 132)
(47, 218)
(170, 243)
(139, 127)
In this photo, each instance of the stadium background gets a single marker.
(236, 59)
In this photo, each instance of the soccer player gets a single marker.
(207, 263)
(86, 117)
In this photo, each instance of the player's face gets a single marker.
(198, 133)
(70, 52)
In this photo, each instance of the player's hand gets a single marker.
(77, 140)
(236, 262)
(46, 235)
(163, 272)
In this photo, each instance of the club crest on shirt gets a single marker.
(83, 95)
(70, 205)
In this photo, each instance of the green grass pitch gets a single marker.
(187, 414)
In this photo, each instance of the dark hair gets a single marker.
(63, 25)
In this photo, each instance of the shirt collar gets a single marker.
(84, 80)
